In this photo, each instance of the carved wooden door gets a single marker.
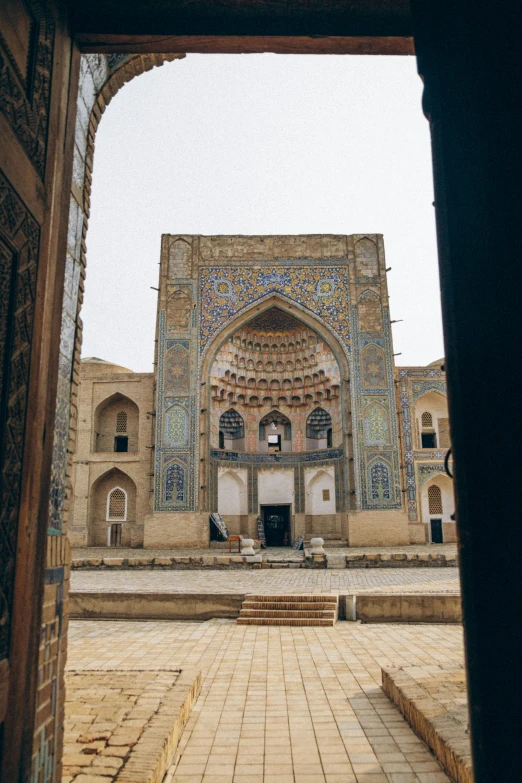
(38, 74)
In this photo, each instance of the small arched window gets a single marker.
(121, 422)
(434, 500)
(117, 504)
(428, 437)
(427, 419)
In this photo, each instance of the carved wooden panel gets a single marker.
(19, 238)
(26, 47)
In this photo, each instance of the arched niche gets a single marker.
(116, 425)
(231, 431)
(380, 481)
(320, 492)
(319, 429)
(275, 432)
(373, 367)
(376, 425)
(438, 504)
(432, 421)
(370, 312)
(233, 497)
(176, 425)
(366, 258)
(103, 514)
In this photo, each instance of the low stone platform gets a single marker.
(125, 726)
(427, 556)
(434, 702)
(404, 608)
(272, 610)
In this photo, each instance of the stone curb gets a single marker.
(334, 560)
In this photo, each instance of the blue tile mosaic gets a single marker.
(226, 291)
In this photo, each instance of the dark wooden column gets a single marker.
(469, 58)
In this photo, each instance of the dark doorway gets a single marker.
(277, 525)
(436, 531)
(429, 440)
(121, 443)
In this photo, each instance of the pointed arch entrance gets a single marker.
(272, 366)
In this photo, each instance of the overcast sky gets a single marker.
(260, 144)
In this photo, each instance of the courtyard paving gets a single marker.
(282, 705)
(270, 582)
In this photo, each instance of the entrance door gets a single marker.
(114, 535)
(436, 531)
(277, 525)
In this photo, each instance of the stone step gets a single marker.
(301, 621)
(319, 610)
(294, 598)
(289, 605)
(324, 614)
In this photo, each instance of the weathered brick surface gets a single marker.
(125, 726)
(433, 700)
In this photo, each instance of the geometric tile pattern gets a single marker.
(373, 367)
(226, 291)
(373, 397)
(176, 426)
(177, 367)
(174, 473)
(376, 425)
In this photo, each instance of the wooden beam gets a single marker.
(283, 26)
(230, 44)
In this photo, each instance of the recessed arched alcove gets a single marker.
(437, 508)
(277, 330)
(116, 425)
(432, 421)
(112, 502)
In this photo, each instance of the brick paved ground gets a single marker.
(283, 705)
(404, 580)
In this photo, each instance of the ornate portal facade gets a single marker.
(275, 394)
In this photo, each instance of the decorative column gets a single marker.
(176, 472)
(376, 445)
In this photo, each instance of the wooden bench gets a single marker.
(230, 539)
